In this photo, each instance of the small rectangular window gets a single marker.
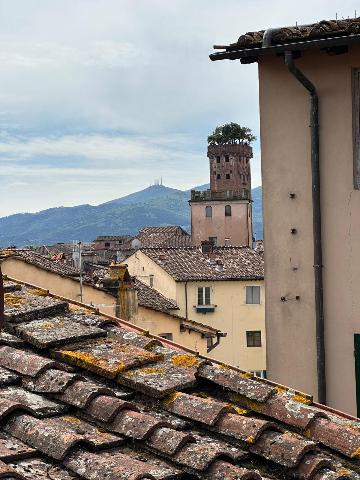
(253, 338)
(226, 158)
(218, 176)
(107, 244)
(213, 240)
(253, 295)
(204, 296)
(217, 159)
(227, 176)
(151, 277)
(167, 336)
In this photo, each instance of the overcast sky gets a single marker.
(100, 97)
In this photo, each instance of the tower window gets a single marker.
(226, 158)
(208, 211)
(228, 176)
(218, 176)
(253, 338)
(227, 210)
(217, 159)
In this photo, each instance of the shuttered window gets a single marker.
(253, 295)
(253, 338)
(204, 296)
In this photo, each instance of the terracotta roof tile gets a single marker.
(7, 472)
(246, 429)
(235, 381)
(7, 377)
(105, 408)
(170, 236)
(225, 471)
(344, 439)
(284, 448)
(24, 362)
(105, 356)
(57, 331)
(202, 453)
(81, 393)
(16, 398)
(12, 449)
(239, 263)
(169, 441)
(204, 410)
(174, 421)
(57, 436)
(40, 469)
(50, 381)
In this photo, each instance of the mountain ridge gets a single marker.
(154, 205)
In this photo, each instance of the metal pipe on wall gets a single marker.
(318, 266)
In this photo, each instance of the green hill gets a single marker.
(155, 205)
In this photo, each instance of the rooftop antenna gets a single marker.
(161, 181)
(355, 14)
(336, 16)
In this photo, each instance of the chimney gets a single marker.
(219, 266)
(259, 247)
(207, 247)
(126, 300)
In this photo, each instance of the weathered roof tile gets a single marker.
(7, 472)
(24, 362)
(15, 398)
(235, 381)
(226, 471)
(57, 436)
(168, 441)
(204, 410)
(12, 449)
(50, 381)
(342, 438)
(105, 408)
(81, 393)
(311, 464)
(46, 333)
(7, 377)
(246, 429)
(39, 469)
(136, 425)
(106, 356)
(284, 448)
(201, 454)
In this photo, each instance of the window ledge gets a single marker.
(205, 308)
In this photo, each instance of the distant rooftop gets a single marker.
(224, 263)
(167, 236)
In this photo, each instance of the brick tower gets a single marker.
(222, 214)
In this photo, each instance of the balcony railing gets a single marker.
(208, 195)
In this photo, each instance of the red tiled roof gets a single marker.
(225, 263)
(84, 396)
(41, 261)
(170, 236)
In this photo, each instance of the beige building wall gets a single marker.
(237, 227)
(285, 146)
(232, 315)
(153, 321)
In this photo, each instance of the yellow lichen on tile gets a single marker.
(146, 371)
(171, 398)
(72, 419)
(356, 453)
(87, 360)
(39, 291)
(250, 439)
(13, 300)
(184, 360)
(239, 411)
(281, 389)
(246, 375)
(302, 399)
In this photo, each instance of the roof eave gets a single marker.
(253, 53)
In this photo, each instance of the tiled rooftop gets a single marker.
(297, 34)
(84, 396)
(225, 263)
(41, 261)
(164, 237)
(150, 298)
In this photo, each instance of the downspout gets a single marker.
(315, 176)
(186, 302)
(2, 302)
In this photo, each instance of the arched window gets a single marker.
(227, 210)
(208, 211)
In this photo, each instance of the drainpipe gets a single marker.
(315, 175)
(186, 301)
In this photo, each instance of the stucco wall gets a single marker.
(285, 146)
(237, 227)
(159, 322)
